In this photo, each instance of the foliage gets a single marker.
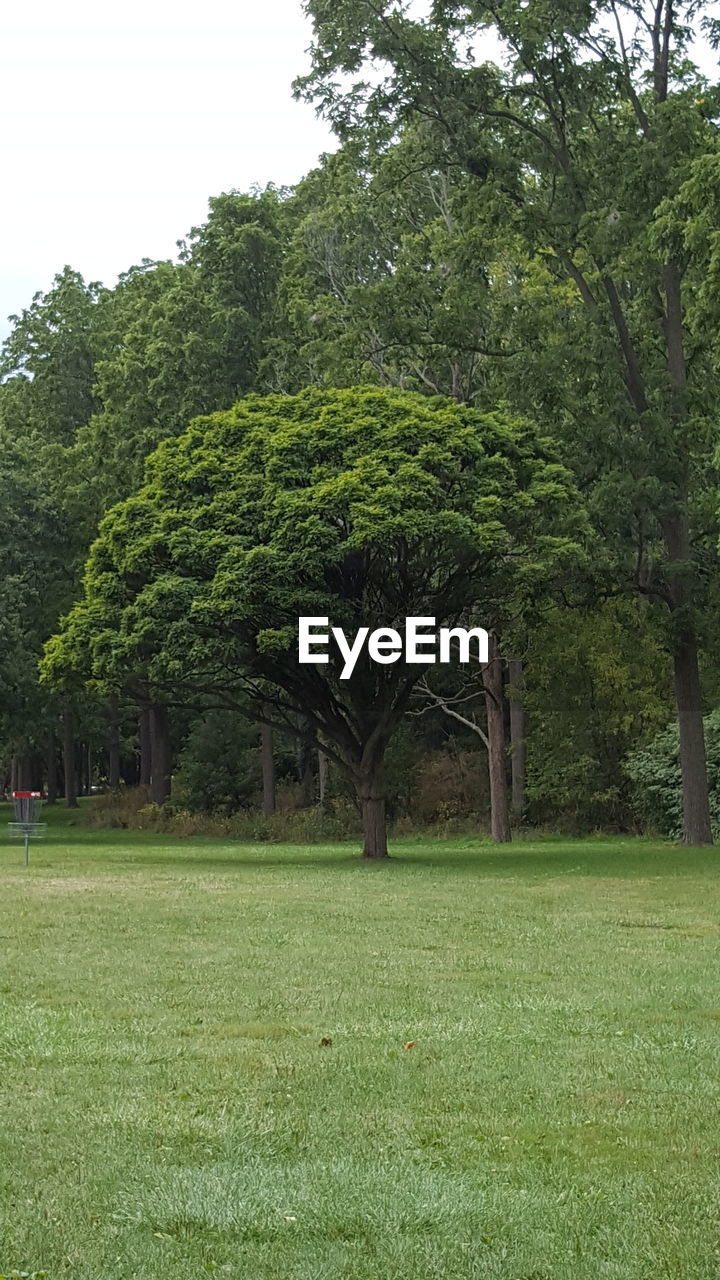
(219, 766)
(534, 238)
(654, 771)
(580, 142)
(364, 506)
(597, 686)
(184, 338)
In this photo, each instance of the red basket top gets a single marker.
(27, 795)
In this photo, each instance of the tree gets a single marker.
(46, 395)
(387, 277)
(365, 506)
(183, 338)
(577, 142)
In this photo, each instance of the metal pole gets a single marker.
(27, 848)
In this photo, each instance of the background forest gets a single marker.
(536, 239)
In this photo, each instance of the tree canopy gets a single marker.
(365, 506)
(531, 237)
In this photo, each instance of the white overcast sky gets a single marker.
(119, 120)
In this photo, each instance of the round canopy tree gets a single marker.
(363, 506)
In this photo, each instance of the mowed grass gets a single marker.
(168, 1109)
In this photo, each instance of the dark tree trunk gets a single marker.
(688, 694)
(113, 743)
(267, 763)
(51, 769)
(159, 754)
(497, 760)
(24, 772)
(676, 531)
(145, 744)
(370, 785)
(30, 773)
(322, 778)
(69, 764)
(306, 755)
(14, 775)
(518, 749)
(693, 766)
(81, 768)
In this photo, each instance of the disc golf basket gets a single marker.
(26, 826)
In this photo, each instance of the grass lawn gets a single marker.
(168, 1109)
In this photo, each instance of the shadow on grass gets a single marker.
(539, 860)
(539, 857)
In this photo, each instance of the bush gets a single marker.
(654, 772)
(130, 808)
(117, 808)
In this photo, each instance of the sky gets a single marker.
(119, 120)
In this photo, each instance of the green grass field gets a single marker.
(168, 1109)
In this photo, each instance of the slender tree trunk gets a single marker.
(267, 763)
(145, 744)
(159, 754)
(80, 768)
(492, 681)
(69, 764)
(113, 743)
(322, 777)
(693, 765)
(51, 769)
(306, 756)
(676, 531)
(370, 785)
(688, 694)
(14, 775)
(518, 749)
(24, 772)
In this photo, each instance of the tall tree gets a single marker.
(363, 506)
(184, 338)
(593, 121)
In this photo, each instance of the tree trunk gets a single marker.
(14, 775)
(145, 743)
(113, 743)
(688, 695)
(69, 764)
(322, 777)
(159, 754)
(693, 767)
(306, 756)
(518, 749)
(51, 769)
(676, 533)
(24, 772)
(267, 762)
(492, 681)
(370, 787)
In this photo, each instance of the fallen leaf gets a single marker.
(409, 1044)
(325, 1042)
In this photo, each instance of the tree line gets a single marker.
(482, 335)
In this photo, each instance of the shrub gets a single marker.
(654, 772)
